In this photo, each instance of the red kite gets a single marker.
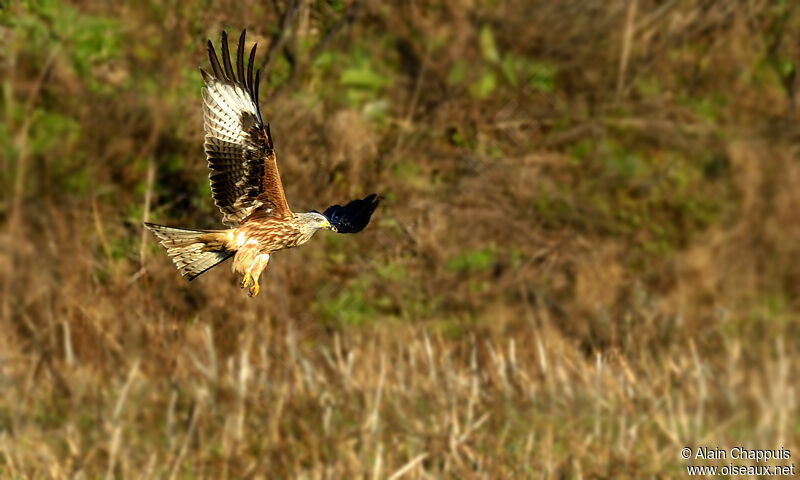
(245, 183)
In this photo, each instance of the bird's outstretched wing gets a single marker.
(244, 174)
(353, 217)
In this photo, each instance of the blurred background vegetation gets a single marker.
(586, 258)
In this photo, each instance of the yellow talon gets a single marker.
(254, 289)
(246, 280)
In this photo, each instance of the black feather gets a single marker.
(212, 57)
(353, 217)
(226, 58)
(255, 93)
(269, 138)
(250, 64)
(240, 60)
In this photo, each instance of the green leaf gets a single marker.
(475, 260)
(457, 73)
(484, 86)
(488, 46)
(542, 76)
(509, 68)
(785, 67)
(362, 77)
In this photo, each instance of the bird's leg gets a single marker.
(246, 280)
(258, 265)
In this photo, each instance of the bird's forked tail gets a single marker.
(192, 251)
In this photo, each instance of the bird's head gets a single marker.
(316, 221)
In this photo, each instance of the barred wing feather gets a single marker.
(244, 173)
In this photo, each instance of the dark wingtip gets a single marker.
(207, 78)
(250, 62)
(226, 58)
(240, 59)
(214, 60)
(223, 70)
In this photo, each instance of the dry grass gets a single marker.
(141, 395)
(585, 261)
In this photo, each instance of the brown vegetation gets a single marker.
(585, 260)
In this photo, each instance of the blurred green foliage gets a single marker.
(432, 115)
(475, 260)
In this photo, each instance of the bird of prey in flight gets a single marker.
(245, 183)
